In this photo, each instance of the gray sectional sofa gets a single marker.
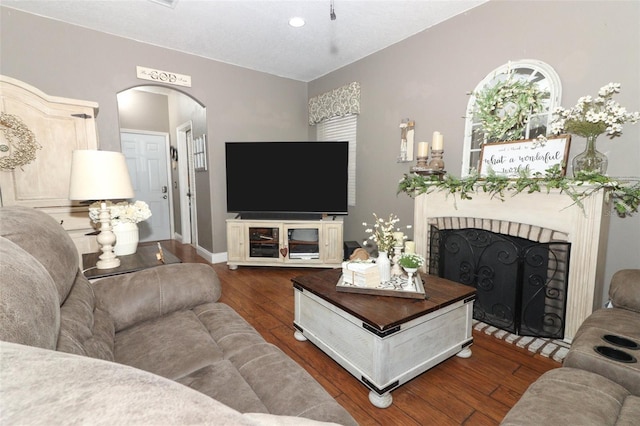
(151, 347)
(599, 381)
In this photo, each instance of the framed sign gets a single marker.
(509, 159)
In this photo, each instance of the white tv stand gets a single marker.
(297, 243)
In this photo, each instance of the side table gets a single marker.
(143, 258)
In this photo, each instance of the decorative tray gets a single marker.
(398, 286)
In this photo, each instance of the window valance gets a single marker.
(339, 102)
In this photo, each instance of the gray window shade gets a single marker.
(342, 129)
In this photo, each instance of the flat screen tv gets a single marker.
(287, 179)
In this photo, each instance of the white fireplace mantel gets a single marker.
(585, 228)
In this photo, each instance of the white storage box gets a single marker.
(361, 274)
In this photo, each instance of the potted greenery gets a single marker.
(411, 261)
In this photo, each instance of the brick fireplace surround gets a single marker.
(541, 217)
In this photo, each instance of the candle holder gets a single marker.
(421, 166)
(436, 163)
(435, 167)
(396, 270)
(406, 141)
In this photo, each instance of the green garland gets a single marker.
(623, 193)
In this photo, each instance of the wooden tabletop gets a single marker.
(384, 312)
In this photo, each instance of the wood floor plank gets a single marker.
(475, 391)
(439, 398)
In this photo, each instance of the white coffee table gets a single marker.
(384, 341)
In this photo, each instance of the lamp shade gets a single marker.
(99, 175)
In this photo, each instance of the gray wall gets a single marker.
(73, 62)
(144, 111)
(425, 78)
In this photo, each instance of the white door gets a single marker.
(187, 187)
(146, 156)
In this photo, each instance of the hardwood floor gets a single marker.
(475, 391)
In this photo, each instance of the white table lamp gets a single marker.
(101, 176)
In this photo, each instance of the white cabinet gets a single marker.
(299, 243)
(60, 126)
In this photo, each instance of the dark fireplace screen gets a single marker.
(521, 284)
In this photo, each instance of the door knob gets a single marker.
(164, 189)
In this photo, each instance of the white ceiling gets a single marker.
(255, 33)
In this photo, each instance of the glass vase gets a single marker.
(591, 160)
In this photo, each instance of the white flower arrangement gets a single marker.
(592, 117)
(122, 212)
(382, 232)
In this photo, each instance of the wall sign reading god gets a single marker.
(163, 76)
(511, 158)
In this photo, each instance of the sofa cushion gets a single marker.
(151, 293)
(42, 237)
(44, 387)
(625, 289)
(569, 396)
(279, 382)
(85, 329)
(630, 412)
(619, 322)
(223, 382)
(29, 311)
(171, 346)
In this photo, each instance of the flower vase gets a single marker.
(127, 237)
(591, 160)
(384, 266)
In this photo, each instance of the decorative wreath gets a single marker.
(19, 142)
(503, 109)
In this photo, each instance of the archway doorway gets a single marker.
(156, 110)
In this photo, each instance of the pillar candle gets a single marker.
(437, 142)
(409, 246)
(423, 149)
(398, 236)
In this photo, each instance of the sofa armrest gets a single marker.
(151, 293)
(625, 289)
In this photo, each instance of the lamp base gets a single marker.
(107, 263)
(106, 239)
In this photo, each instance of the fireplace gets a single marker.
(521, 284)
(546, 218)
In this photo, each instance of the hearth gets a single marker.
(521, 283)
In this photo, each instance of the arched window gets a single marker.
(546, 79)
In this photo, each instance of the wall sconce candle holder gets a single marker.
(407, 130)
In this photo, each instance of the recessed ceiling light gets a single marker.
(296, 22)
